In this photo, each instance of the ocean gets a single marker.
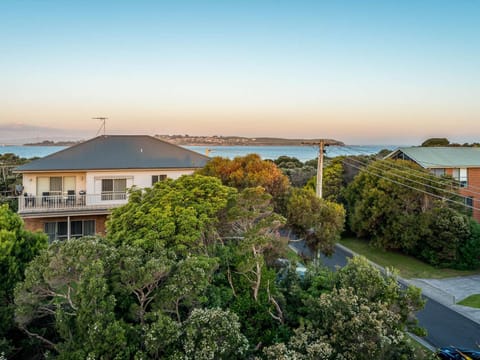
(303, 153)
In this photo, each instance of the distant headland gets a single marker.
(54, 143)
(238, 141)
(211, 141)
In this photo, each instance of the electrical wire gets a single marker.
(453, 181)
(411, 187)
(406, 178)
(408, 171)
(424, 175)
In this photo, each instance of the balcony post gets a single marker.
(68, 227)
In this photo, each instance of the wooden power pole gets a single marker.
(321, 149)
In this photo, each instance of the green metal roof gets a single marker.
(440, 157)
(119, 152)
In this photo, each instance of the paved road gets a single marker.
(445, 327)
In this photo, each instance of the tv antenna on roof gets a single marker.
(103, 120)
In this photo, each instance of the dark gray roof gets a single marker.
(119, 152)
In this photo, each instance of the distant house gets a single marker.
(462, 163)
(70, 193)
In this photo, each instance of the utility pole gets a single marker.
(103, 125)
(321, 149)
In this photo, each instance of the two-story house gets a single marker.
(462, 163)
(70, 193)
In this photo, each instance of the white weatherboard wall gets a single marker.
(138, 178)
(30, 180)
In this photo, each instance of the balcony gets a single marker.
(29, 204)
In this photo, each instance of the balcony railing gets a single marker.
(55, 203)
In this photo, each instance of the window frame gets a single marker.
(158, 178)
(56, 185)
(63, 225)
(114, 193)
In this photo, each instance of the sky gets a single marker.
(362, 72)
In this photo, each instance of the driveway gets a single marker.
(460, 287)
(452, 290)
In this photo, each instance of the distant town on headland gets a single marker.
(210, 140)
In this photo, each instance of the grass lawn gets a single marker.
(472, 301)
(408, 266)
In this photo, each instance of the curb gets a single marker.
(422, 342)
(434, 292)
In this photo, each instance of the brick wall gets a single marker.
(473, 190)
(38, 224)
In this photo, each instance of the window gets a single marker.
(114, 189)
(469, 205)
(58, 230)
(158, 178)
(55, 185)
(469, 201)
(438, 172)
(461, 176)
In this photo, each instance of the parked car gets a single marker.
(454, 353)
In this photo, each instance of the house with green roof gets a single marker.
(70, 193)
(462, 163)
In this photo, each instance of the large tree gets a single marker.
(17, 248)
(213, 334)
(386, 203)
(248, 171)
(319, 221)
(333, 180)
(65, 300)
(397, 205)
(448, 230)
(436, 142)
(89, 298)
(362, 317)
(176, 214)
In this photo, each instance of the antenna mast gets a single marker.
(103, 125)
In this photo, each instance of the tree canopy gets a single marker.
(17, 248)
(178, 214)
(436, 142)
(248, 171)
(319, 221)
(190, 270)
(389, 206)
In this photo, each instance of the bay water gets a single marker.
(303, 153)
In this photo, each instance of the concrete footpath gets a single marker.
(450, 291)
(445, 291)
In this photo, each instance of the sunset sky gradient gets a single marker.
(363, 72)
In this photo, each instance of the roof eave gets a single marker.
(107, 169)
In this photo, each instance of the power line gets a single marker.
(410, 187)
(442, 181)
(452, 180)
(425, 174)
(408, 170)
(406, 178)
